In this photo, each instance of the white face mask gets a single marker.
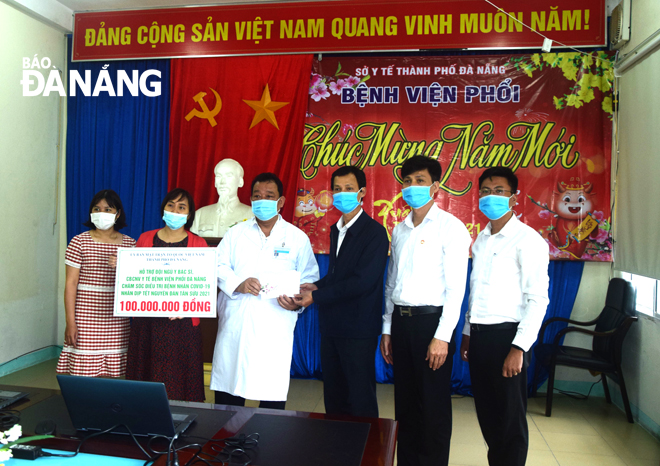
(103, 220)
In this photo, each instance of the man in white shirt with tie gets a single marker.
(508, 300)
(423, 295)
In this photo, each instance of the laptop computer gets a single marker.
(8, 397)
(96, 404)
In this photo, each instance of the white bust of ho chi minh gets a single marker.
(214, 220)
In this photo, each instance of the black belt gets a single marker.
(486, 327)
(409, 311)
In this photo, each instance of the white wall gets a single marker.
(640, 362)
(61, 318)
(588, 304)
(645, 20)
(639, 120)
(29, 254)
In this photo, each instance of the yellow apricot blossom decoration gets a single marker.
(585, 73)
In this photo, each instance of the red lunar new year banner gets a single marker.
(339, 26)
(546, 116)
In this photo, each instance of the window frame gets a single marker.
(655, 311)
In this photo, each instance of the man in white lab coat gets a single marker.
(253, 349)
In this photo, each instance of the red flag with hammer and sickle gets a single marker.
(250, 109)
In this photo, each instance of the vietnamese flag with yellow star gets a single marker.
(250, 109)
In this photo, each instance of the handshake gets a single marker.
(303, 299)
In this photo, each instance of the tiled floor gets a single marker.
(579, 433)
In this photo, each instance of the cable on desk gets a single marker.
(96, 434)
(172, 458)
(172, 453)
(9, 418)
(157, 454)
(183, 436)
(217, 460)
(234, 448)
(243, 441)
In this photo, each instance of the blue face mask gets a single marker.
(174, 221)
(494, 207)
(264, 209)
(346, 202)
(417, 196)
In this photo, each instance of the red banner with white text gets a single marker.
(337, 26)
(546, 116)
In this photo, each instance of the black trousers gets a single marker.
(422, 396)
(501, 402)
(224, 398)
(349, 375)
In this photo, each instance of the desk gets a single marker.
(82, 459)
(378, 450)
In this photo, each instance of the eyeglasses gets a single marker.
(497, 192)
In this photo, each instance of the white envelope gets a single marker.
(276, 284)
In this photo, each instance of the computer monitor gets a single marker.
(96, 404)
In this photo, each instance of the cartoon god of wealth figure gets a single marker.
(310, 209)
(575, 224)
(214, 220)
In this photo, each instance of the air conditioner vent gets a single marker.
(620, 25)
